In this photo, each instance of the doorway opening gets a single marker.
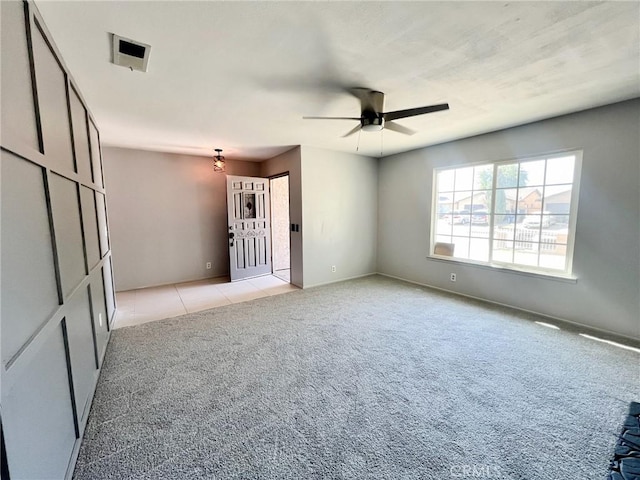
(280, 235)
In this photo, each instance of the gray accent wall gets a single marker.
(168, 216)
(56, 297)
(606, 293)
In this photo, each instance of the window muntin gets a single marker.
(518, 214)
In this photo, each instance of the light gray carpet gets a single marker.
(370, 378)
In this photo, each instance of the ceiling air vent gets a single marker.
(130, 54)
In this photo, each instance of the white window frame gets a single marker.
(530, 270)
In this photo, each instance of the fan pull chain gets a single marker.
(381, 143)
(358, 144)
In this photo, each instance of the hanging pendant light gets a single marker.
(218, 161)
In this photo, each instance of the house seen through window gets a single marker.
(517, 214)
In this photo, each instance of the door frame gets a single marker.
(273, 177)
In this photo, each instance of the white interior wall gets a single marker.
(607, 246)
(168, 216)
(340, 205)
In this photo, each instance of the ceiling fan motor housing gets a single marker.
(371, 122)
(372, 106)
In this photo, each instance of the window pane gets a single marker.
(518, 219)
(532, 173)
(462, 225)
(445, 180)
(557, 199)
(531, 222)
(480, 231)
(462, 200)
(480, 221)
(443, 238)
(537, 222)
(503, 233)
(526, 253)
(507, 175)
(444, 205)
(461, 249)
(506, 200)
(553, 257)
(548, 242)
(442, 227)
(464, 178)
(529, 200)
(483, 177)
(479, 249)
(525, 236)
(481, 200)
(502, 251)
(560, 170)
(561, 222)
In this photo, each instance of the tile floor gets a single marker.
(155, 303)
(284, 274)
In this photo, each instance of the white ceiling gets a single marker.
(240, 75)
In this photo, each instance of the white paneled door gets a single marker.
(249, 227)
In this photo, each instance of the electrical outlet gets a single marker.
(100, 318)
(453, 277)
(208, 265)
(333, 269)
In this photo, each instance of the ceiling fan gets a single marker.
(372, 117)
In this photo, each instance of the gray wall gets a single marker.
(607, 246)
(168, 216)
(291, 162)
(57, 289)
(340, 213)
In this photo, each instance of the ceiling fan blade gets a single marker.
(398, 128)
(331, 118)
(353, 130)
(412, 112)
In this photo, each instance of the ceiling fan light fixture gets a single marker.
(219, 163)
(372, 128)
(374, 124)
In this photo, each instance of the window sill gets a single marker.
(497, 268)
